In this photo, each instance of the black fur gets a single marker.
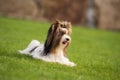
(33, 49)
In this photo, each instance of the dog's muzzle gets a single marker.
(67, 40)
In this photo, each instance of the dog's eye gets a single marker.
(63, 26)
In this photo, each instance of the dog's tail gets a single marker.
(30, 48)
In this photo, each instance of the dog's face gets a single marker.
(65, 40)
(61, 40)
(55, 34)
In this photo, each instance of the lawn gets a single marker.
(96, 53)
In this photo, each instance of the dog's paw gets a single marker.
(71, 64)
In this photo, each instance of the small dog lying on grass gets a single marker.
(54, 49)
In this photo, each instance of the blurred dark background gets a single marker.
(103, 14)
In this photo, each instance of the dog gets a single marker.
(54, 49)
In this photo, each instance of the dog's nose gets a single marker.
(67, 39)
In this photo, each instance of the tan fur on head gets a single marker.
(66, 25)
(55, 31)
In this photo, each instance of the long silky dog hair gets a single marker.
(54, 34)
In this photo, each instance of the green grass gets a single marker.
(96, 53)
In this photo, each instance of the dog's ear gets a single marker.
(64, 50)
(69, 23)
(49, 39)
(53, 30)
(50, 35)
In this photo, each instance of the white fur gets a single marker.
(52, 57)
